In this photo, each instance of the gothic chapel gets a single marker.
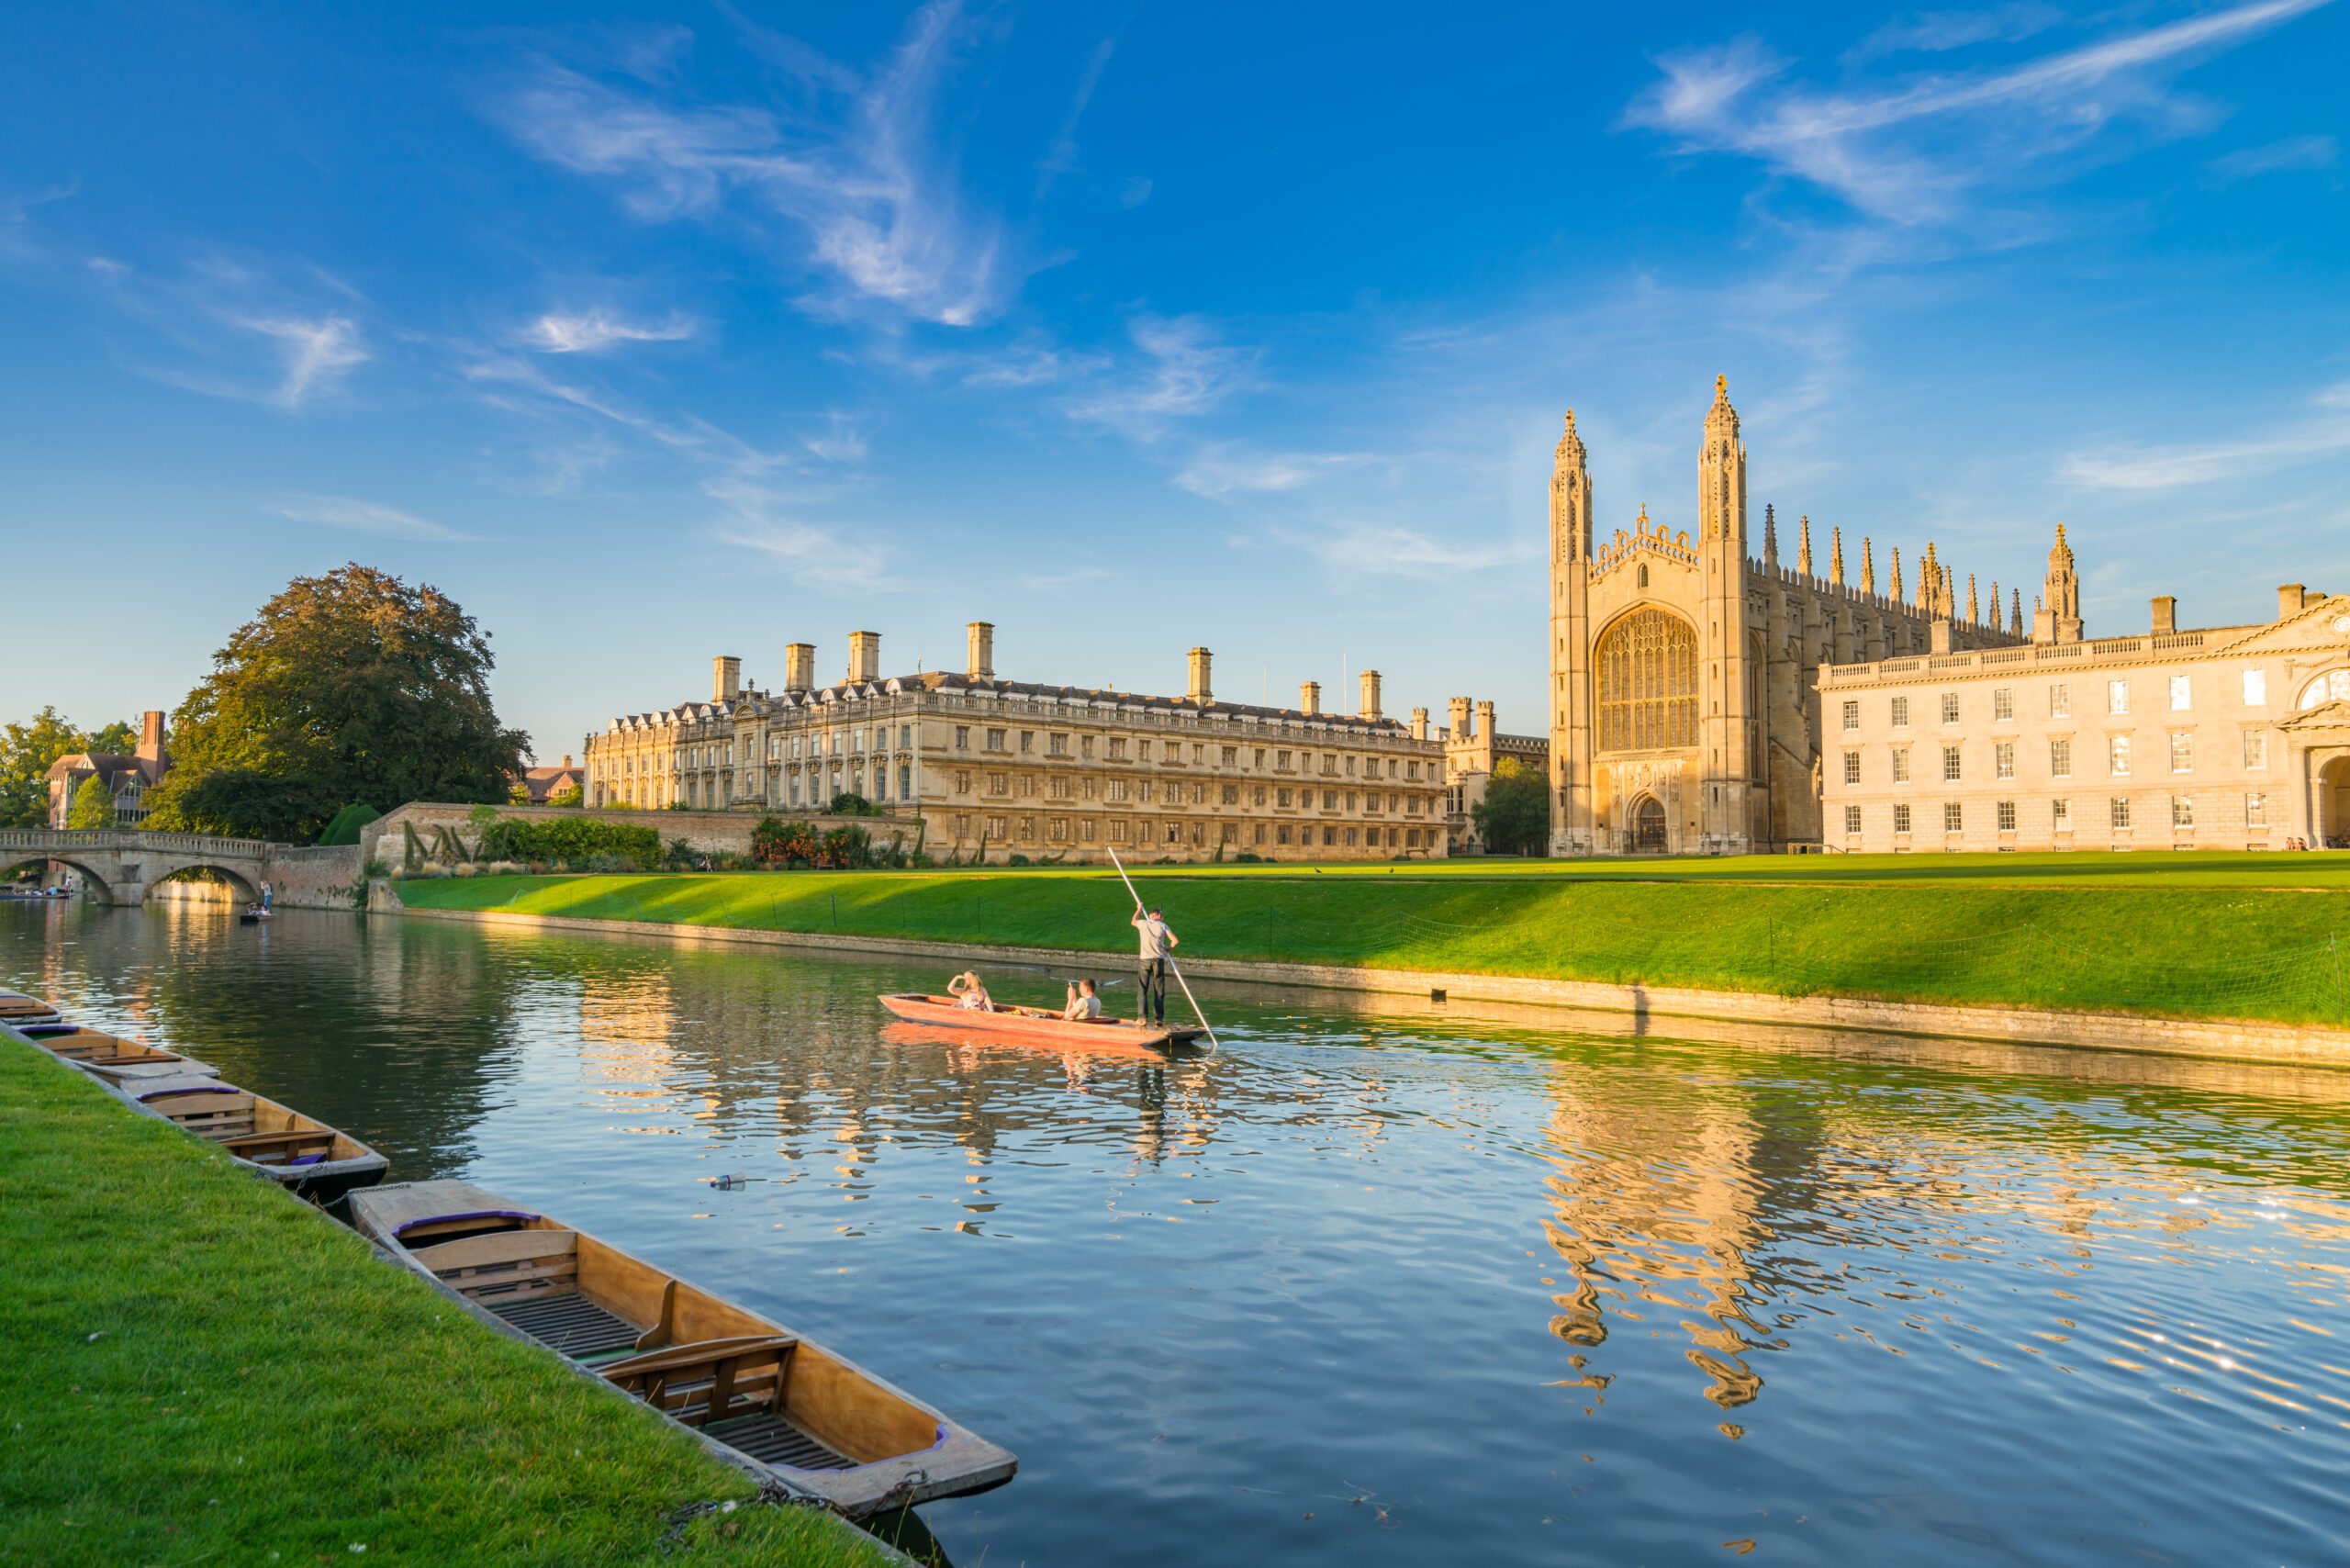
(1685, 717)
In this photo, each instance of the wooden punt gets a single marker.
(1036, 1024)
(767, 1399)
(118, 1060)
(305, 1157)
(28, 1014)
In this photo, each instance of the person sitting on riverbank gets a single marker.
(967, 992)
(1084, 1003)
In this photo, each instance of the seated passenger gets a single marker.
(968, 992)
(1084, 1005)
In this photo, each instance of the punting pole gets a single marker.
(1170, 957)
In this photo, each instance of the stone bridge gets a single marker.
(122, 865)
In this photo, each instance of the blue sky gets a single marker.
(656, 332)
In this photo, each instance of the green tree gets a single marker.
(1515, 816)
(93, 804)
(27, 752)
(116, 739)
(351, 686)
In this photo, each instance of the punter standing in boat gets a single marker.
(1156, 942)
(264, 897)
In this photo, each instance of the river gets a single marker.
(1382, 1283)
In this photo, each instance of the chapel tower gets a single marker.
(1569, 726)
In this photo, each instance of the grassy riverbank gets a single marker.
(200, 1370)
(2227, 935)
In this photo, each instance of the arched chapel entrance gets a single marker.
(1648, 825)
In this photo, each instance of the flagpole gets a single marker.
(1170, 956)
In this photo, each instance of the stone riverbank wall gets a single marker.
(704, 832)
(2243, 1040)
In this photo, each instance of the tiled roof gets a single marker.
(753, 702)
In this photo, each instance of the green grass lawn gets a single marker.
(202, 1371)
(2209, 934)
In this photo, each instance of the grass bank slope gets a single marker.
(2187, 935)
(201, 1370)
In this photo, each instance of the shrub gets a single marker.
(846, 805)
(567, 838)
(844, 849)
(344, 828)
(1016, 860)
(778, 842)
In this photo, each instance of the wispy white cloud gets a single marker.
(366, 517)
(1062, 158)
(1935, 32)
(1223, 468)
(2321, 434)
(317, 352)
(1185, 368)
(1392, 549)
(807, 551)
(856, 171)
(1910, 152)
(2293, 152)
(557, 333)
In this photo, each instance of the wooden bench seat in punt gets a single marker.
(281, 1149)
(506, 1266)
(209, 1109)
(717, 1380)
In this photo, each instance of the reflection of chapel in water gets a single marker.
(1658, 1204)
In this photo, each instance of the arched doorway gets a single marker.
(2333, 804)
(1648, 825)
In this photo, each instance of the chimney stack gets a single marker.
(1371, 695)
(2288, 600)
(799, 668)
(725, 678)
(1309, 697)
(1485, 723)
(981, 634)
(1419, 724)
(864, 655)
(2166, 614)
(151, 733)
(1198, 691)
(1458, 708)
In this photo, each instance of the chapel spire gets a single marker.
(2059, 618)
(1770, 534)
(1836, 556)
(2014, 626)
(1868, 566)
(1803, 549)
(1569, 498)
(1973, 615)
(1896, 574)
(1721, 474)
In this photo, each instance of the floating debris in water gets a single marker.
(728, 1183)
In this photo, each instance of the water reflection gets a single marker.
(1381, 1281)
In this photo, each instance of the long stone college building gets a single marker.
(982, 767)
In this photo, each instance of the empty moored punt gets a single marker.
(1035, 1024)
(770, 1401)
(28, 1014)
(118, 1060)
(304, 1157)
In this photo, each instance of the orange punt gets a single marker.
(1035, 1024)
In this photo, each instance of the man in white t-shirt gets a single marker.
(1157, 941)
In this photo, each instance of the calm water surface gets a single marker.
(1384, 1287)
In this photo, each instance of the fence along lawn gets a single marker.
(2192, 936)
(202, 1371)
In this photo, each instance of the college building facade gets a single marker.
(2230, 737)
(989, 768)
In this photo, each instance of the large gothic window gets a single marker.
(1647, 683)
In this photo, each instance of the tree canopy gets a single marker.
(348, 687)
(93, 805)
(1515, 816)
(28, 750)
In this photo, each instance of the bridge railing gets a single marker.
(90, 838)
